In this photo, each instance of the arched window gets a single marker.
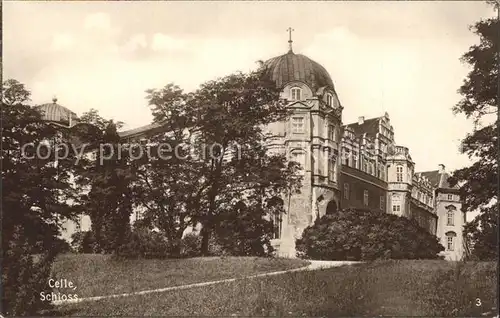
(296, 93)
(450, 240)
(399, 173)
(329, 99)
(331, 207)
(276, 210)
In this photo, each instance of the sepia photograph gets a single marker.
(250, 158)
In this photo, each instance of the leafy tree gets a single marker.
(359, 234)
(109, 202)
(221, 123)
(92, 117)
(244, 231)
(36, 190)
(479, 182)
(168, 187)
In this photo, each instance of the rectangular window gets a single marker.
(365, 197)
(346, 191)
(346, 154)
(450, 197)
(332, 169)
(296, 93)
(382, 202)
(355, 160)
(450, 218)
(449, 243)
(298, 125)
(383, 147)
(399, 174)
(331, 132)
(396, 208)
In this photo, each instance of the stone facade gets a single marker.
(357, 165)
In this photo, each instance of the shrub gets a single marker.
(24, 277)
(191, 245)
(145, 243)
(84, 242)
(359, 234)
(243, 231)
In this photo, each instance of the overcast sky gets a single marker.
(399, 57)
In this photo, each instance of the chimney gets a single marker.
(386, 115)
(361, 120)
(441, 168)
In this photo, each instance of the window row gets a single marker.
(298, 127)
(296, 94)
(371, 167)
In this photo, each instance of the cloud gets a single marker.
(163, 42)
(137, 41)
(62, 42)
(98, 20)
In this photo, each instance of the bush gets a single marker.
(358, 234)
(24, 277)
(191, 245)
(243, 231)
(145, 243)
(84, 242)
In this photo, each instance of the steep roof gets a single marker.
(369, 126)
(436, 178)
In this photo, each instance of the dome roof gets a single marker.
(297, 67)
(57, 113)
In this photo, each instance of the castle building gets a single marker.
(356, 165)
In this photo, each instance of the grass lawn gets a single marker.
(389, 288)
(99, 275)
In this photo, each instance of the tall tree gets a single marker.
(168, 187)
(231, 114)
(479, 182)
(225, 120)
(109, 201)
(36, 189)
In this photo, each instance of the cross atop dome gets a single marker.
(54, 99)
(290, 30)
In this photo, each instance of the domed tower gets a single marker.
(57, 114)
(310, 136)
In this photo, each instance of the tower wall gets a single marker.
(451, 220)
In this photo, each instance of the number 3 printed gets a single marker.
(478, 302)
